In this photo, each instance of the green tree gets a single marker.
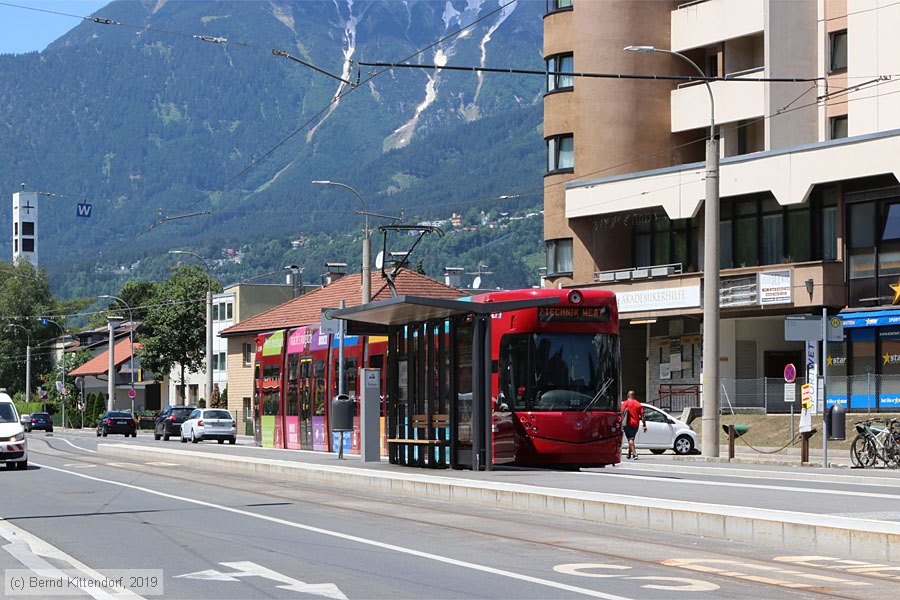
(176, 324)
(24, 296)
(215, 398)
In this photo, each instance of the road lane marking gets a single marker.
(353, 538)
(851, 566)
(703, 565)
(79, 465)
(74, 446)
(31, 551)
(672, 584)
(251, 569)
(161, 464)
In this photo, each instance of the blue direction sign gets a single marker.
(790, 373)
(84, 210)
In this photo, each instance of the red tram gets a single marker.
(555, 385)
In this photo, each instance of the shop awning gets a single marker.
(871, 318)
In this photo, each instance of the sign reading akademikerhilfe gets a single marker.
(573, 314)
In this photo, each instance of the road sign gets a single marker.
(59, 386)
(132, 394)
(83, 210)
(328, 324)
(790, 392)
(801, 328)
(790, 373)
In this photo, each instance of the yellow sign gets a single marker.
(896, 288)
(806, 395)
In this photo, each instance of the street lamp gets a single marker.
(62, 332)
(112, 321)
(209, 322)
(710, 418)
(131, 393)
(366, 249)
(27, 360)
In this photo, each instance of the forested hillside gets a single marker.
(148, 121)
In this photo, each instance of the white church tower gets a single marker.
(25, 225)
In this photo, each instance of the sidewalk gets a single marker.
(575, 495)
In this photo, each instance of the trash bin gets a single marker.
(342, 409)
(837, 422)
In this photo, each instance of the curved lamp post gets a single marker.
(27, 360)
(209, 324)
(366, 249)
(132, 393)
(710, 418)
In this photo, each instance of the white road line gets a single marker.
(74, 446)
(30, 550)
(757, 486)
(353, 538)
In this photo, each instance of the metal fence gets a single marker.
(766, 395)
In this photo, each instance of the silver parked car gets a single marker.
(209, 424)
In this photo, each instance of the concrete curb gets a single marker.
(810, 533)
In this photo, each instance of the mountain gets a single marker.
(171, 108)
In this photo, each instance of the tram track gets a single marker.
(443, 514)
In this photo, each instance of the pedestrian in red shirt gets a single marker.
(632, 416)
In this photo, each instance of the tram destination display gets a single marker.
(573, 314)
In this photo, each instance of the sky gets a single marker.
(23, 30)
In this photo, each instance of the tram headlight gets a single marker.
(575, 297)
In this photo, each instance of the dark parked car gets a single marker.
(117, 422)
(169, 420)
(39, 421)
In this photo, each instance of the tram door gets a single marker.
(257, 405)
(306, 409)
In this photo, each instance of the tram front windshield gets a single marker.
(549, 372)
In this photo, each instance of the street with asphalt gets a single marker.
(213, 521)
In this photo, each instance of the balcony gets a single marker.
(699, 24)
(734, 101)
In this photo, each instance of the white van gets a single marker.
(13, 445)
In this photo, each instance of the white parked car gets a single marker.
(209, 424)
(13, 445)
(664, 432)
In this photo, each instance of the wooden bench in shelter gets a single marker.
(421, 423)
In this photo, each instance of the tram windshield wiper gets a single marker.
(599, 394)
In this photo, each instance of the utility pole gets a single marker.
(111, 375)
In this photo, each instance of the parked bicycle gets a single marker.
(876, 440)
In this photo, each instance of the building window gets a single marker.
(873, 245)
(247, 352)
(27, 244)
(838, 51)
(560, 153)
(559, 256)
(220, 362)
(229, 311)
(27, 227)
(556, 67)
(657, 240)
(558, 5)
(838, 127)
(759, 231)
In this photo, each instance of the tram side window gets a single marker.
(350, 377)
(376, 361)
(319, 398)
(292, 387)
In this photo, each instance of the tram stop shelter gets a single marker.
(438, 405)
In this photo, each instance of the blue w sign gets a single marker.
(84, 210)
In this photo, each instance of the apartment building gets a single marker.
(809, 194)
